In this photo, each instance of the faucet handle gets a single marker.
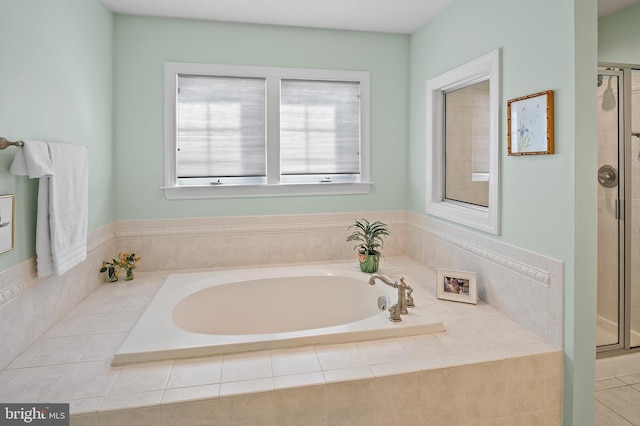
(394, 313)
(409, 298)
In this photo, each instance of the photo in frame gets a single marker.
(7, 227)
(458, 286)
(530, 124)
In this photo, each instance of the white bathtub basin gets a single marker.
(209, 313)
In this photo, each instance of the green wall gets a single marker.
(142, 45)
(60, 58)
(618, 37)
(56, 85)
(540, 195)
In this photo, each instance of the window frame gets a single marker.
(274, 185)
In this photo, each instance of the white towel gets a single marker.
(63, 192)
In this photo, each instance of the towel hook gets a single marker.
(5, 143)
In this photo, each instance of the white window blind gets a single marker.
(319, 127)
(252, 131)
(220, 127)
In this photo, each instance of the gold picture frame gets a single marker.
(530, 124)
(7, 222)
(458, 286)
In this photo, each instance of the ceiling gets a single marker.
(392, 16)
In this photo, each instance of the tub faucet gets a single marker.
(404, 300)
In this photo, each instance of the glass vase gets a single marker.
(111, 275)
(129, 275)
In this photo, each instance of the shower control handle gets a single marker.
(608, 176)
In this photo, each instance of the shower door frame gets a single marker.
(623, 71)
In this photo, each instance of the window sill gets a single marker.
(265, 190)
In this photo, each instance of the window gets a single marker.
(255, 131)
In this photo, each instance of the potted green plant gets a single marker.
(369, 237)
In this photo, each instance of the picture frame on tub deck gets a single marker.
(7, 226)
(530, 124)
(458, 286)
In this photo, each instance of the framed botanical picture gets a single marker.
(459, 286)
(7, 227)
(530, 124)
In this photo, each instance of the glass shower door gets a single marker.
(610, 238)
(633, 214)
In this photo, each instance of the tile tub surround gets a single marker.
(484, 367)
(29, 305)
(523, 285)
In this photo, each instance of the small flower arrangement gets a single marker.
(125, 261)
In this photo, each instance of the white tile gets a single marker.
(294, 361)
(424, 346)
(33, 384)
(60, 350)
(195, 372)
(144, 377)
(434, 363)
(86, 380)
(83, 406)
(383, 351)
(395, 368)
(191, 393)
(298, 380)
(348, 374)
(340, 356)
(246, 387)
(104, 346)
(131, 400)
(246, 366)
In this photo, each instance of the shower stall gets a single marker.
(618, 174)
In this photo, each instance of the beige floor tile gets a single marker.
(608, 383)
(625, 401)
(607, 417)
(630, 379)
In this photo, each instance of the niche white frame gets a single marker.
(486, 67)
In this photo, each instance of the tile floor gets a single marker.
(618, 401)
